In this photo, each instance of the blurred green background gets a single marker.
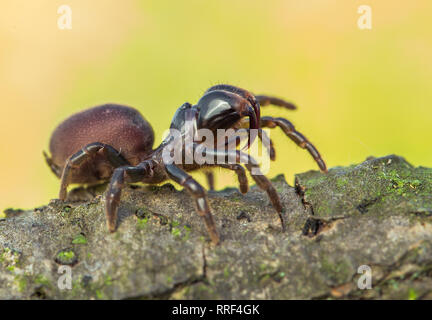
(359, 92)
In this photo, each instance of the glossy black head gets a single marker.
(223, 109)
(241, 92)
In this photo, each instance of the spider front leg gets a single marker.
(269, 100)
(262, 136)
(289, 129)
(79, 158)
(253, 168)
(199, 194)
(121, 176)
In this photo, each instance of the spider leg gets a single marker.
(289, 129)
(122, 175)
(262, 135)
(86, 153)
(271, 150)
(239, 170)
(253, 168)
(241, 175)
(54, 168)
(268, 100)
(210, 180)
(199, 194)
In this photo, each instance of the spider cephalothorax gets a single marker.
(114, 142)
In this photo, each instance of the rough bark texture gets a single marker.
(377, 213)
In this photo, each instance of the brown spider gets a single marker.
(114, 142)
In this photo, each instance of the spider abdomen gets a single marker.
(118, 126)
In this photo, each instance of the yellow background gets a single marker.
(359, 92)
